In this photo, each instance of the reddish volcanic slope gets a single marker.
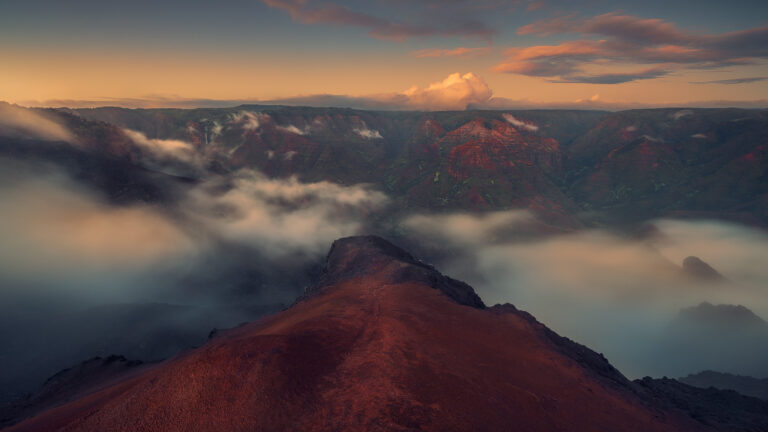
(382, 343)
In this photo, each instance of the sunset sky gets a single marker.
(421, 54)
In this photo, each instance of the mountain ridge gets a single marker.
(375, 350)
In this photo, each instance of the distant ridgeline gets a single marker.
(569, 167)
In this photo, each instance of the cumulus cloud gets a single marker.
(454, 52)
(519, 123)
(456, 91)
(24, 122)
(629, 40)
(311, 12)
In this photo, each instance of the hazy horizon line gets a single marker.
(365, 104)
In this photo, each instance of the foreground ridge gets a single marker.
(351, 257)
(381, 342)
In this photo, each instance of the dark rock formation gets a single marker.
(352, 257)
(746, 385)
(723, 410)
(697, 268)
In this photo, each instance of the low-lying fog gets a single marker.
(81, 275)
(619, 294)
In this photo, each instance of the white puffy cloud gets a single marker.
(455, 92)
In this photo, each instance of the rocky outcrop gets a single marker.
(723, 410)
(746, 385)
(356, 257)
(697, 268)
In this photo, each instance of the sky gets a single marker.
(392, 54)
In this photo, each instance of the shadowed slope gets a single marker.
(381, 343)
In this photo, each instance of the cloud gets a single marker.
(284, 217)
(163, 147)
(519, 123)
(59, 233)
(311, 12)
(77, 269)
(613, 292)
(628, 40)
(535, 5)
(613, 78)
(53, 228)
(294, 130)
(457, 91)
(368, 133)
(600, 103)
(732, 81)
(464, 93)
(464, 228)
(734, 250)
(25, 122)
(249, 121)
(455, 52)
(610, 24)
(677, 115)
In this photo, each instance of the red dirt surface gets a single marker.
(372, 351)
